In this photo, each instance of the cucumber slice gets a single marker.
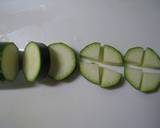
(110, 78)
(63, 61)
(9, 61)
(133, 76)
(112, 56)
(151, 59)
(91, 51)
(134, 56)
(90, 72)
(35, 61)
(150, 82)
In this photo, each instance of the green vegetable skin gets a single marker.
(9, 61)
(36, 61)
(101, 76)
(144, 81)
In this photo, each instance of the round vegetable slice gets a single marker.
(144, 81)
(36, 61)
(112, 56)
(134, 56)
(9, 61)
(63, 61)
(94, 71)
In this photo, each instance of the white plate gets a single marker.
(78, 103)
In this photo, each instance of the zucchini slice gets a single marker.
(110, 78)
(112, 56)
(36, 61)
(150, 82)
(151, 59)
(9, 61)
(91, 72)
(133, 76)
(91, 51)
(134, 56)
(63, 61)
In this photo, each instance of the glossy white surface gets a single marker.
(76, 103)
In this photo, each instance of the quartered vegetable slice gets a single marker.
(96, 73)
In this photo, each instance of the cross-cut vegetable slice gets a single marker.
(110, 78)
(90, 72)
(151, 59)
(9, 61)
(133, 76)
(35, 61)
(112, 56)
(95, 73)
(150, 82)
(134, 56)
(91, 51)
(63, 61)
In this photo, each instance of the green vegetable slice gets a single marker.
(63, 61)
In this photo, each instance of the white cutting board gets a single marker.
(77, 103)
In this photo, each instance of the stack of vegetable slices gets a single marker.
(57, 60)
